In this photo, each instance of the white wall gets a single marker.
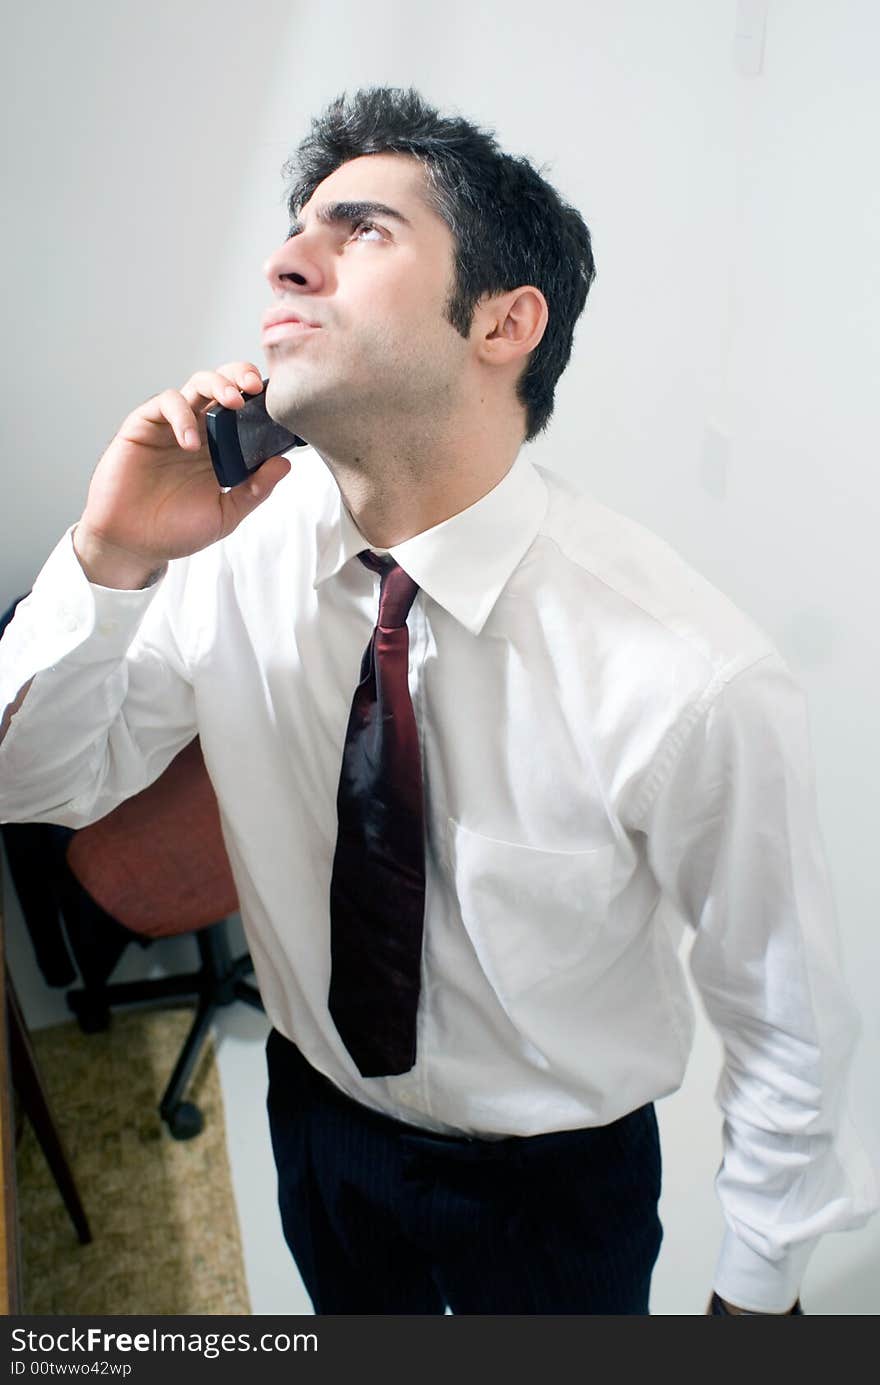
(723, 384)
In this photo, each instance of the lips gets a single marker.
(287, 330)
(285, 314)
(285, 324)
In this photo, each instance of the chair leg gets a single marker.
(215, 956)
(184, 1119)
(245, 991)
(90, 1007)
(221, 984)
(218, 982)
(91, 1004)
(28, 1083)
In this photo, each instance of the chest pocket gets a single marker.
(529, 913)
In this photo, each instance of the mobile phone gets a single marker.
(241, 440)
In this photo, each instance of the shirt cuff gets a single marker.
(751, 1281)
(67, 617)
(66, 608)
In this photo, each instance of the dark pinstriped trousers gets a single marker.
(383, 1218)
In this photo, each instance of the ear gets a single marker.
(511, 325)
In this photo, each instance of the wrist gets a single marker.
(107, 565)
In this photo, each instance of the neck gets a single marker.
(395, 490)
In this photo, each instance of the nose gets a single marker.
(293, 264)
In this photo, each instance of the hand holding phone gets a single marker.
(153, 496)
(241, 440)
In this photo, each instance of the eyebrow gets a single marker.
(334, 213)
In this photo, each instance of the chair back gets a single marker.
(157, 862)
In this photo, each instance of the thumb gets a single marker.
(237, 503)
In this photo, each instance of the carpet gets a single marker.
(162, 1211)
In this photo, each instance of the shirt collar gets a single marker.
(464, 562)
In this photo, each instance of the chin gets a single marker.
(274, 399)
(279, 404)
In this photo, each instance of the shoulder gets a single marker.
(628, 573)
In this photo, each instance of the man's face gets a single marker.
(382, 352)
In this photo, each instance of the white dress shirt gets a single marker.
(611, 751)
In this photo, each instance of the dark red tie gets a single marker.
(377, 889)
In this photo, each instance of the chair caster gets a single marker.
(185, 1120)
(92, 1016)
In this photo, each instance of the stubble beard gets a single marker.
(398, 400)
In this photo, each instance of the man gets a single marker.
(480, 745)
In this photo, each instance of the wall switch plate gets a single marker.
(748, 41)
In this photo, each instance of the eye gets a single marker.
(368, 226)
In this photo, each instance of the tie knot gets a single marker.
(397, 591)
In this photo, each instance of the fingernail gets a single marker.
(190, 437)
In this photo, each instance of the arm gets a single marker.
(106, 701)
(94, 690)
(733, 839)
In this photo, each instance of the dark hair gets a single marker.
(509, 225)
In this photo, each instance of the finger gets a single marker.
(209, 387)
(223, 386)
(241, 500)
(244, 374)
(170, 407)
